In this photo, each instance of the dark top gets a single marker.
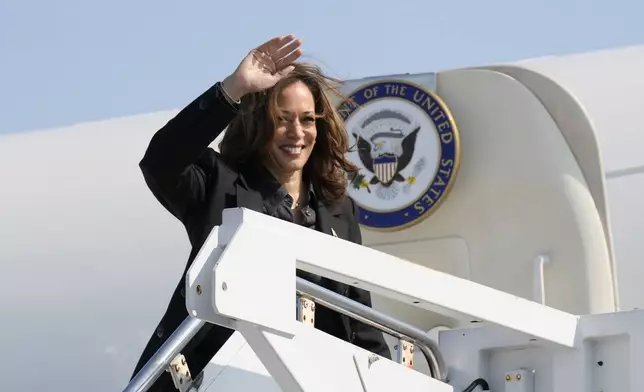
(278, 203)
(193, 183)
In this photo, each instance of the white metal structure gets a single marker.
(546, 208)
(554, 350)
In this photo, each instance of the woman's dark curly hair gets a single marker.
(250, 132)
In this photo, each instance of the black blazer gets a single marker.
(193, 183)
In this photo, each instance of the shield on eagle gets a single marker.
(385, 167)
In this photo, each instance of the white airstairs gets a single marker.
(244, 278)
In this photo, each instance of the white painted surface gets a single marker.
(89, 259)
(237, 368)
(604, 352)
(519, 194)
(627, 222)
(608, 86)
(608, 358)
(346, 262)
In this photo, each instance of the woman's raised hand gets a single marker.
(264, 66)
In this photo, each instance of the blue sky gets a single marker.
(71, 61)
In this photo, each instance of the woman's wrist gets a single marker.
(233, 88)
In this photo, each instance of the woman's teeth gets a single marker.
(292, 149)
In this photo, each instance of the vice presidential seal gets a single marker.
(407, 150)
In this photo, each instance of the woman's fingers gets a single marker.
(286, 50)
(289, 59)
(275, 56)
(273, 44)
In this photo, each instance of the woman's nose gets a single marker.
(296, 128)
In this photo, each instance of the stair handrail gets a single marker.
(378, 320)
(157, 364)
(172, 347)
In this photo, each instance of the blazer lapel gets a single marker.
(239, 191)
(329, 221)
(249, 199)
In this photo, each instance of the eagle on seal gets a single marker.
(384, 149)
